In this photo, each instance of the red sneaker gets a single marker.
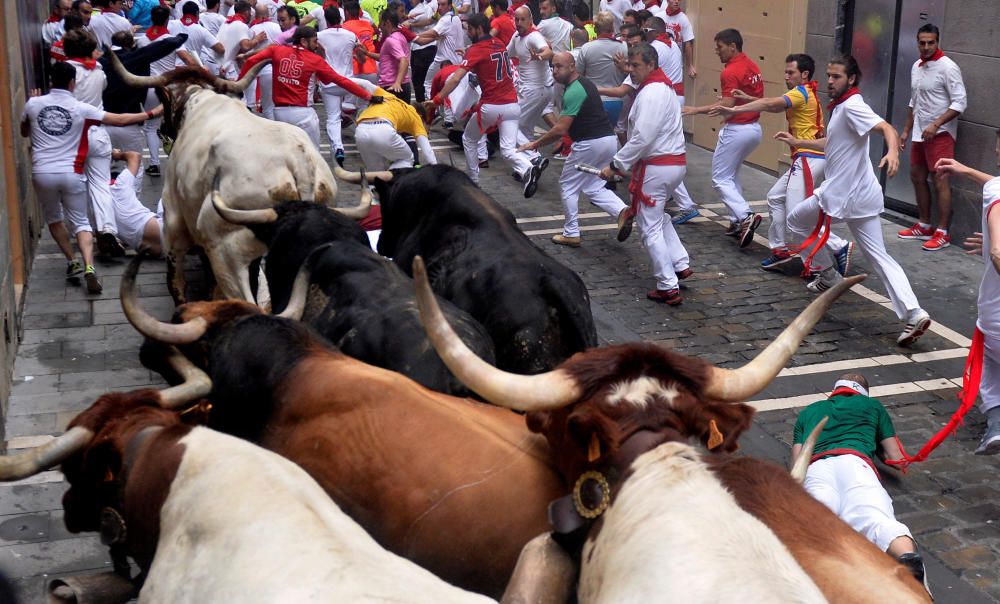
(916, 232)
(671, 297)
(939, 241)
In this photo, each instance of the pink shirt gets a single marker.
(394, 49)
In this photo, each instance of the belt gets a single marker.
(290, 105)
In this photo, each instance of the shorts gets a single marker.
(927, 153)
(63, 193)
(131, 216)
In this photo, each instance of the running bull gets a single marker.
(536, 310)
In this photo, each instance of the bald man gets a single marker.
(594, 144)
(529, 50)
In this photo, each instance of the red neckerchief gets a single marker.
(189, 19)
(934, 57)
(853, 90)
(329, 3)
(258, 22)
(88, 64)
(674, 11)
(844, 390)
(156, 31)
(527, 33)
(53, 18)
(236, 17)
(666, 39)
(606, 37)
(654, 76)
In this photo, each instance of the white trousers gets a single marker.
(130, 215)
(868, 235)
(98, 170)
(736, 142)
(594, 152)
(850, 488)
(150, 127)
(505, 119)
(681, 196)
(666, 252)
(63, 195)
(303, 117)
(533, 105)
(381, 147)
(787, 194)
(263, 83)
(989, 385)
(333, 99)
(129, 138)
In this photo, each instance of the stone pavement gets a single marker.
(75, 347)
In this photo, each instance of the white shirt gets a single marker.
(231, 34)
(451, 35)
(989, 290)
(53, 31)
(421, 12)
(935, 88)
(104, 25)
(177, 11)
(90, 84)
(199, 40)
(556, 31)
(851, 189)
(654, 127)
(616, 8)
(670, 60)
(160, 65)
(271, 32)
(339, 46)
(57, 131)
(533, 73)
(680, 25)
(212, 22)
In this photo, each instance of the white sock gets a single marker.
(924, 225)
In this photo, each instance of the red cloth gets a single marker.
(407, 33)
(252, 23)
(743, 74)
(155, 32)
(53, 18)
(56, 52)
(236, 17)
(87, 64)
(934, 57)
(639, 177)
(928, 153)
(673, 11)
(189, 19)
(373, 221)
(504, 24)
(293, 66)
(848, 94)
(488, 60)
(366, 35)
(666, 39)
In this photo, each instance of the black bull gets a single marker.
(536, 310)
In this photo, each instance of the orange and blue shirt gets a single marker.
(805, 117)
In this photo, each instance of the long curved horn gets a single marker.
(150, 326)
(261, 216)
(736, 385)
(130, 78)
(195, 384)
(521, 392)
(237, 87)
(29, 463)
(361, 210)
(355, 177)
(798, 471)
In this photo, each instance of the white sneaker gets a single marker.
(917, 324)
(990, 444)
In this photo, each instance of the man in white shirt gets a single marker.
(264, 33)
(679, 25)
(655, 153)
(57, 125)
(988, 323)
(139, 228)
(108, 22)
(449, 36)
(852, 194)
(555, 29)
(53, 29)
(616, 8)
(199, 41)
(338, 49)
(212, 21)
(937, 99)
(235, 38)
(531, 52)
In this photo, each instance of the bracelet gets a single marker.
(436, 99)
(149, 115)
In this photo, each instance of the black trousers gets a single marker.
(420, 62)
(405, 94)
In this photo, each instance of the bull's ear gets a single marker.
(539, 421)
(103, 462)
(719, 425)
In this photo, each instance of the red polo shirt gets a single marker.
(742, 73)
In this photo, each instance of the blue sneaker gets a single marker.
(778, 257)
(338, 156)
(682, 218)
(843, 258)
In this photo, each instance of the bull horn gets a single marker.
(195, 382)
(244, 217)
(108, 588)
(355, 177)
(361, 210)
(39, 459)
(735, 385)
(549, 390)
(237, 87)
(149, 326)
(798, 471)
(130, 78)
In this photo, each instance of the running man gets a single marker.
(139, 228)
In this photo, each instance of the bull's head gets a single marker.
(590, 405)
(174, 87)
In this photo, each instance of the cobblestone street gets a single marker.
(75, 347)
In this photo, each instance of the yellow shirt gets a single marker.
(805, 118)
(403, 116)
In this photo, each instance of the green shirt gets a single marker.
(856, 422)
(583, 104)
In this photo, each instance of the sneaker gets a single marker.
(108, 245)
(915, 564)
(93, 283)
(625, 219)
(517, 177)
(990, 444)
(843, 258)
(685, 217)
(939, 241)
(338, 156)
(560, 156)
(684, 274)
(73, 268)
(823, 281)
(915, 327)
(916, 232)
(484, 165)
(778, 257)
(567, 241)
(747, 227)
(670, 297)
(541, 162)
(733, 230)
(153, 170)
(449, 125)
(531, 182)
